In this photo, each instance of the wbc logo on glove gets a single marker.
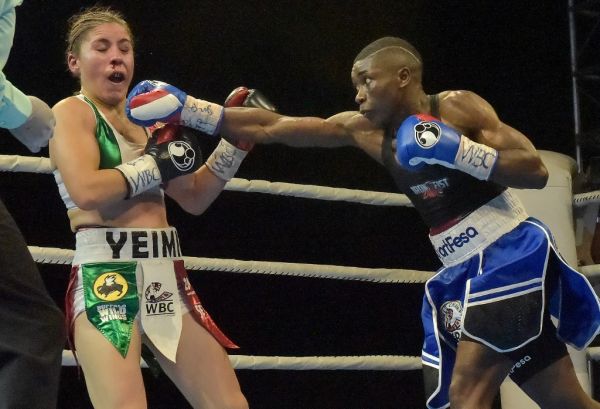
(182, 154)
(427, 134)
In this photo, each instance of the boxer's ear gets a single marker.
(73, 64)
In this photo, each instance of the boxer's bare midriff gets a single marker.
(147, 211)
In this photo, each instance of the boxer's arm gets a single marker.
(262, 126)
(28, 119)
(7, 31)
(37, 130)
(519, 164)
(74, 151)
(152, 101)
(15, 107)
(196, 192)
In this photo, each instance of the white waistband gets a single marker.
(107, 244)
(479, 229)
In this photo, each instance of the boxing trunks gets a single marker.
(123, 275)
(502, 275)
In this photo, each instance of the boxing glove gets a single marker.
(244, 97)
(228, 155)
(170, 152)
(155, 101)
(424, 140)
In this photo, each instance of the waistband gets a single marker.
(110, 244)
(479, 229)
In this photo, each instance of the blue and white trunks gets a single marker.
(498, 294)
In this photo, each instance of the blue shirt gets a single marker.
(15, 107)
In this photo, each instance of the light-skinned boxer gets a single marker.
(128, 283)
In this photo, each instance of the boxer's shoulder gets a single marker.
(459, 101)
(73, 104)
(73, 112)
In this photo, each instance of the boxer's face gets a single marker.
(104, 63)
(376, 88)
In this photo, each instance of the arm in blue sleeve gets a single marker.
(15, 106)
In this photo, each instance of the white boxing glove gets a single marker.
(38, 128)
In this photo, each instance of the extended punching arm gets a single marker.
(228, 155)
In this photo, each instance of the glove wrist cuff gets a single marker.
(201, 115)
(225, 160)
(476, 159)
(141, 174)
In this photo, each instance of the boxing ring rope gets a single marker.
(15, 163)
(307, 363)
(48, 255)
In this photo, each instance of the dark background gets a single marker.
(513, 53)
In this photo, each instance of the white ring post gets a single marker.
(554, 206)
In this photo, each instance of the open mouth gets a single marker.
(116, 77)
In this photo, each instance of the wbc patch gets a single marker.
(158, 302)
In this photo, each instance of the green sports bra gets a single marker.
(110, 154)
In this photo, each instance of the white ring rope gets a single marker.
(584, 199)
(319, 192)
(593, 353)
(16, 163)
(592, 270)
(380, 275)
(306, 363)
(50, 255)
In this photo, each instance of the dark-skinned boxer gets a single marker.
(486, 313)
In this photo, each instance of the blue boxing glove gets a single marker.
(155, 101)
(424, 140)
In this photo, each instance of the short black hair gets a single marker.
(385, 42)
